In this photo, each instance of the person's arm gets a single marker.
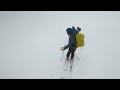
(78, 30)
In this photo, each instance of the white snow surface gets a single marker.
(30, 43)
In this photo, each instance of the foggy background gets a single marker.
(30, 43)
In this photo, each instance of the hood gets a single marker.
(70, 31)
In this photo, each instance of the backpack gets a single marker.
(80, 40)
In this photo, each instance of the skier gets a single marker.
(72, 32)
(71, 44)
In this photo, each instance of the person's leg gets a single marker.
(72, 59)
(68, 53)
(72, 53)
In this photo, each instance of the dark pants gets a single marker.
(70, 51)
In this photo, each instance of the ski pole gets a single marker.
(66, 64)
(76, 56)
(62, 55)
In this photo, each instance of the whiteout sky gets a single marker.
(30, 43)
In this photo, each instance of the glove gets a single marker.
(62, 49)
(79, 29)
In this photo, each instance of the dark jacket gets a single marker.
(76, 31)
(72, 42)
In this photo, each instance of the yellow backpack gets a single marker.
(80, 40)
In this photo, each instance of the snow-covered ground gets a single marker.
(30, 43)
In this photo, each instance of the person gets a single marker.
(71, 44)
(72, 32)
(72, 41)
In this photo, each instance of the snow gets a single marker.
(30, 44)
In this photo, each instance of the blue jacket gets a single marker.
(72, 42)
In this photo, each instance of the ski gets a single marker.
(71, 65)
(65, 65)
